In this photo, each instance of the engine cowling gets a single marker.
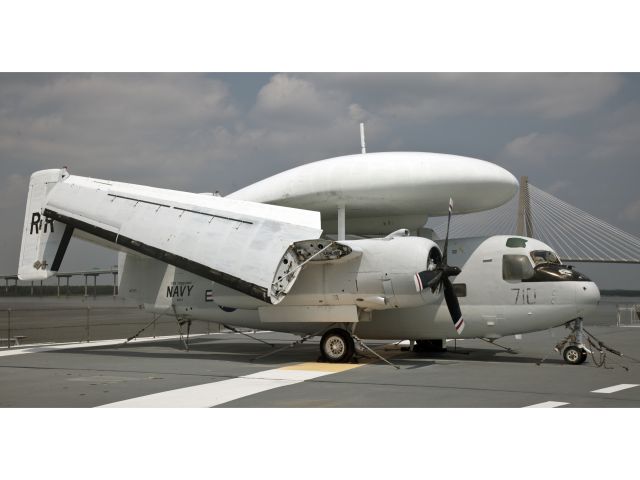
(373, 274)
(388, 269)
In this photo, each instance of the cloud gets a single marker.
(536, 148)
(101, 123)
(296, 115)
(617, 137)
(13, 195)
(287, 98)
(554, 95)
(631, 212)
(557, 187)
(13, 191)
(432, 96)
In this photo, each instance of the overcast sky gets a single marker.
(576, 136)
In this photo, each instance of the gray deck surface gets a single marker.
(475, 374)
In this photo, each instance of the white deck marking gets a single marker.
(48, 347)
(217, 393)
(615, 388)
(547, 405)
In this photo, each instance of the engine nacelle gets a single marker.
(388, 270)
(373, 274)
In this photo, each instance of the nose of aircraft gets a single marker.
(587, 297)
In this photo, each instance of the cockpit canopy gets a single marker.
(539, 266)
(544, 256)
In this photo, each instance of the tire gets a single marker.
(574, 355)
(585, 355)
(336, 346)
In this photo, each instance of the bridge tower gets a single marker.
(524, 226)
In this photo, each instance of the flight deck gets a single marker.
(226, 369)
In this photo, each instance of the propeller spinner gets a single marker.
(438, 278)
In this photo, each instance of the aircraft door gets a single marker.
(493, 314)
(520, 296)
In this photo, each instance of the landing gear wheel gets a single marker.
(337, 346)
(574, 355)
(585, 355)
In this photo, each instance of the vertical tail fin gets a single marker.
(44, 241)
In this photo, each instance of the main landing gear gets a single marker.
(337, 346)
(572, 347)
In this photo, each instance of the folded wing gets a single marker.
(244, 245)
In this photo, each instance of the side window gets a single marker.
(460, 289)
(516, 267)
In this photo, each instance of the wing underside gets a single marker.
(243, 245)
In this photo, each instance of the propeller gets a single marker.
(438, 278)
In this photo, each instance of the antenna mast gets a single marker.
(362, 144)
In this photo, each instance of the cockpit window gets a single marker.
(544, 256)
(516, 267)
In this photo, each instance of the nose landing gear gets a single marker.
(574, 351)
(574, 355)
(572, 347)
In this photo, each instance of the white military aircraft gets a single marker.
(253, 260)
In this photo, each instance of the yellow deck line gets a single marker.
(323, 367)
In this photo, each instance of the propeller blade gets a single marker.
(438, 279)
(446, 238)
(426, 279)
(453, 305)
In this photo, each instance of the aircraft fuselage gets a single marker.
(493, 300)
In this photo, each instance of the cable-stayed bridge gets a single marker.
(576, 235)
